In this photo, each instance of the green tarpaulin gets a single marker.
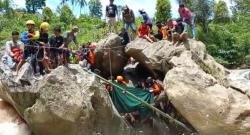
(125, 103)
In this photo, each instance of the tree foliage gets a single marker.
(33, 5)
(163, 10)
(5, 7)
(241, 7)
(95, 8)
(47, 14)
(221, 13)
(66, 15)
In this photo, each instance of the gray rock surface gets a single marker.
(69, 101)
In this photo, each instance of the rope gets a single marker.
(145, 103)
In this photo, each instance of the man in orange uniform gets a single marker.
(91, 57)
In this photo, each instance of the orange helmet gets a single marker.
(119, 78)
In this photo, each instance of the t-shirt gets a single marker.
(111, 10)
(185, 13)
(146, 18)
(128, 17)
(68, 37)
(11, 45)
(44, 37)
(144, 30)
(56, 41)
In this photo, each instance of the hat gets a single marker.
(30, 22)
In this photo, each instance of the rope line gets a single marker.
(143, 102)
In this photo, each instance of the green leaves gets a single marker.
(95, 8)
(163, 10)
(33, 5)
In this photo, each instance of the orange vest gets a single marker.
(92, 57)
(157, 88)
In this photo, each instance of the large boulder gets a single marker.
(69, 101)
(155, 57)
(110, 51)
(196, 85)
(209, 106)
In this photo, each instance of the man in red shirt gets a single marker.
(144, 32)
(188, 17)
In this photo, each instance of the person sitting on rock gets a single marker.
(144, 32)
(56, 52)
(125, 37)
(14, 50)
(159, 34)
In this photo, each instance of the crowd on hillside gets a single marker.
(46, 52)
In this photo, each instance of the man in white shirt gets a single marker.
(13, 52)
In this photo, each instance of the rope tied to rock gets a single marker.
(165, 115)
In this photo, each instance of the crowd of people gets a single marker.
(172, 30)
(42, 51)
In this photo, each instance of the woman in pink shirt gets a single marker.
(188, 17)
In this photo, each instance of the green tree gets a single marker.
(81, 3)
(66, 15)
(33, 5)
(47, 14)
(221, 14)
(241, 7)
(5, 7)
(95, 8)
(163, 10)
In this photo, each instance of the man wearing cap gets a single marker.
(28, 38)
(111, 14)
(68, 37)
(146, 18)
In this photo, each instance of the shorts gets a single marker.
(111, 21)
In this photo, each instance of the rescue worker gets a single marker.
(42, 55)
(13, 51)
(159, 34)
(120, 79)
(28, 38)
(91, 57)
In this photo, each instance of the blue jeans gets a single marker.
(131, 25)
(192, 24)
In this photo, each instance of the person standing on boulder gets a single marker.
(146, 18)
(188, 17)
(28, 38)
(128, 19)
(111, 14)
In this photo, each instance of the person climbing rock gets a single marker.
(56, 42)
(13, 51)
(129, 19)
(144, 32)
(188, 17)
(121, 80)
(146, 18)
(111, 14)
(29, 38)
(42, 54)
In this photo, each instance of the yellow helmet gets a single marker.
(44, 26)
(30, 22)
